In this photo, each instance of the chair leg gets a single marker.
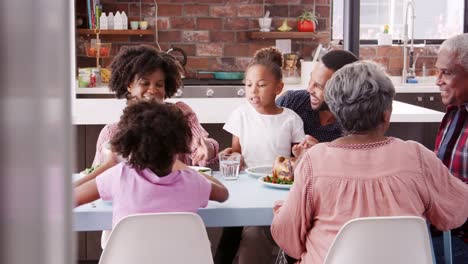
(432, 244)
(447, 247)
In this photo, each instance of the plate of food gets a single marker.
(88, 170)
(259, 171)
(280, 183)
(202, 169)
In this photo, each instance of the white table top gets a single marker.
(250, 204)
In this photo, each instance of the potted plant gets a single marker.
(307, 21)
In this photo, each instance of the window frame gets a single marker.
(399, 41)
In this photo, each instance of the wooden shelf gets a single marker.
(286, 35)
(116, 32)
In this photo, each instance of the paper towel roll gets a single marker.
(306, 69)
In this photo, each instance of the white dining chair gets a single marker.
(383, 240)
(174, 238)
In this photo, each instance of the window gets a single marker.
(435, 19)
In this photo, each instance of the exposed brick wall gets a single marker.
(213, 32)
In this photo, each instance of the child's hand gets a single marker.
(205, 151)
(307, 143)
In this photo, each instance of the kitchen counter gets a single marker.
(217, 110)
(400, 88)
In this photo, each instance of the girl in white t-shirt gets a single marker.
(260, 129)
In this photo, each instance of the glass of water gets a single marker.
(229, 164)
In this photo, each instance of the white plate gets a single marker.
(197, 168)
(260, 171)
(274, 185)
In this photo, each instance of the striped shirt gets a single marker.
(197, 132)
(299, 102)
(452, 137)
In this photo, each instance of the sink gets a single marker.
(426, 80)
(211, 91)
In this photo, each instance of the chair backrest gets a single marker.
(402, 239)
(158, 238)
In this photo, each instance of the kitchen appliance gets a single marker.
(290, 72)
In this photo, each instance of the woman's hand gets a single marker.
(205, 151)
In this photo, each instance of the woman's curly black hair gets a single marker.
(150, 134)
(271, 58)
(136, 61)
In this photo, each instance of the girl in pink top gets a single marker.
(143, 73)
(150, 136)
(364, 173)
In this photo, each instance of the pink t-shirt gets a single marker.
(136, 192)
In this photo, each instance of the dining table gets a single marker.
(250, 203)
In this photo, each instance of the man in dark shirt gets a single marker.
(319, 123)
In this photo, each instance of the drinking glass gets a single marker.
(229, 164)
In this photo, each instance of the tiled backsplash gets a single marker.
(213, 33)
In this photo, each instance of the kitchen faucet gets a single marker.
(408, 68)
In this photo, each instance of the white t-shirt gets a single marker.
(264, 137)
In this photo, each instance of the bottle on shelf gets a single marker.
(118, 21)
(110, 21)
(124, 20)
(103, 22)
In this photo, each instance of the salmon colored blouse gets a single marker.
(336, 183)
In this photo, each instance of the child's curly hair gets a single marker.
(150, 134)
(271, 58)
(136, 61)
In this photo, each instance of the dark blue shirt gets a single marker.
(299, 102)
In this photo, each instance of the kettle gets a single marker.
(179, 54)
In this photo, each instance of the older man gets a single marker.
(319, 123)
(452, 78)
(451, 143)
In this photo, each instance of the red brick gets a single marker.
(199, 63)
(242, 63)
(296, 10)
(250, 11)
(239, 2)
(322, 11)
(317, 2)
(367, 52)
(242, 36)
(256, 46)
(383, 61)
(225, 64)
(114, 7)
(169, 10)
(209, 23)
(196, 10)
(395, 62)
(169, 36)
(223, 11)
(146, 10)
(163, 23)
(189, 49)
(389, 51)
(182, 22)
(278, 10)
(209, 1)
(212, 49)
(429, 61)
(196, 36)
(282, 2)
(222, 36)
(143, 38)
(236, 50)
(236, 23)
